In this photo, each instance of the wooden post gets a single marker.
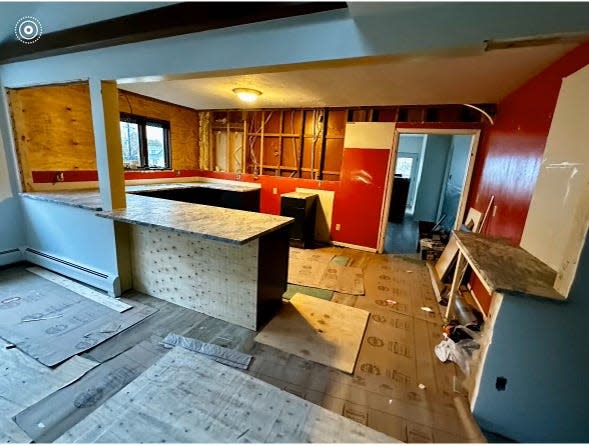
(107, 139)
(104, 100)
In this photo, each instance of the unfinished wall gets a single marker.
(55, 142)
(183, 126)
(52, 128)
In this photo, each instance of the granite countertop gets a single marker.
(80, 198)
(245, 187)
(90, 198)
(208, 222)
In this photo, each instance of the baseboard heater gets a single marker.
(98, 279)
(9, 256)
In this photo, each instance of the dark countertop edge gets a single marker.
(56, 200)
(105, 214)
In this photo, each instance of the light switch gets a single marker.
(274, 190)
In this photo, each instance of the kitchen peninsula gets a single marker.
(227, 263)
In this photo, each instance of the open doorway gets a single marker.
(428, 185)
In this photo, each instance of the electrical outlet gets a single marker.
(338, 227)
(274, 190)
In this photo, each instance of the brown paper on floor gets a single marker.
(329, 276)
(318, 330)
(306, 255)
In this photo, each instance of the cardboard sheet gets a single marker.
(182, 399)
(318, 330)
(24, 381)
(50, 417)
(51, 323)
(329, 276)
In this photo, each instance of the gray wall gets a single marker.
(542, 348)
(459, 151)
(433, 175)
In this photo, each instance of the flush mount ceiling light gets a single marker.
(247, 94)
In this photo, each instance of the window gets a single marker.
(404, 167)
(145, 142)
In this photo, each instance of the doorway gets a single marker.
(428, 182)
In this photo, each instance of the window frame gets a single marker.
(142, 122)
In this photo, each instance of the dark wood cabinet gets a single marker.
(302, 207)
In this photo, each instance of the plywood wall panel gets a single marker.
(183, 126)
(53, 128)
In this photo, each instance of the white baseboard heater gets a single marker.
(98, 279)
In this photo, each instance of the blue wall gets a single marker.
(12, 234)
(459, 154)
(433, 176)
(542, 348)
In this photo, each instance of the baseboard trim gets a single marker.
(73, 270)
(358, 247)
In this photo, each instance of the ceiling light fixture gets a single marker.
(247, 94)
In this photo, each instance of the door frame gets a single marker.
(474, 144)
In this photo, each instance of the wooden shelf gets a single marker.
(504, 268)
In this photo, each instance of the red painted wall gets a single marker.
(510, 152)
(358, 195)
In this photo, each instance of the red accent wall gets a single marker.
(359, 199)
(358, 195)
(511, 151)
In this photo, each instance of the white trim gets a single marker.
(349, 245)
(475, 133)
(497, 300)
(388, 186)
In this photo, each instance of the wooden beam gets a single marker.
(168, 21)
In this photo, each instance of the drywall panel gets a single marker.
(559, 211)
(369, 135)
(324, 212)
(459, 157)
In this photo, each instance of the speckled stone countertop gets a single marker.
(209, 222)
(244, 187)
(90, 198)
(80, 198)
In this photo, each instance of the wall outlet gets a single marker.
(338, 227)
(274, 190)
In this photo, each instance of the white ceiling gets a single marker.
(470, 77)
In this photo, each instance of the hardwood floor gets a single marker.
(398, 386)
(402, 238)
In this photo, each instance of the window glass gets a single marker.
(130, 143)
(156, 155)
(404, 166)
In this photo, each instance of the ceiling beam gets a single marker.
(168, 21)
